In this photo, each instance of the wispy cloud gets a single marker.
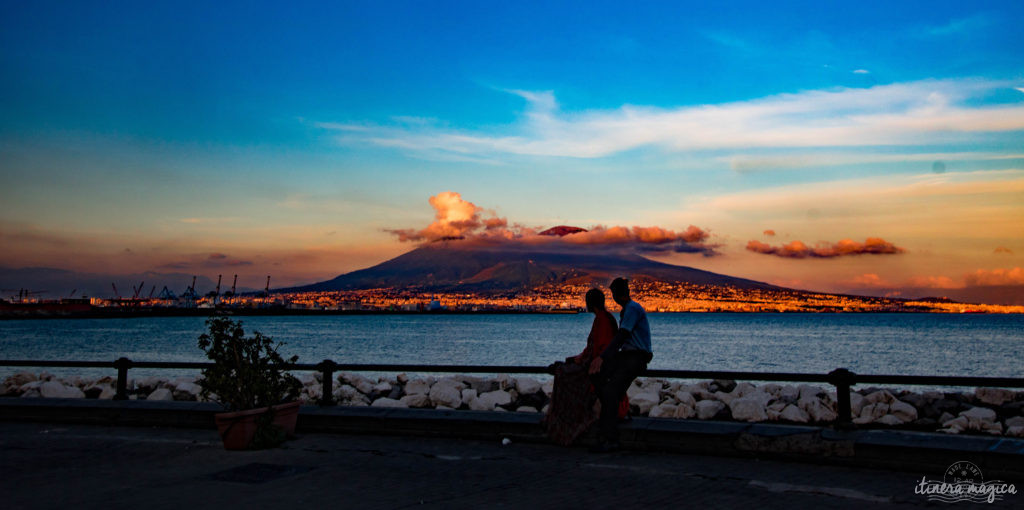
(918, 113)
(960, 26)
(756, 162)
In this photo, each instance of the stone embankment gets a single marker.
(986, 411)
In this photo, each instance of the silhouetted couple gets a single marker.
(599, 376)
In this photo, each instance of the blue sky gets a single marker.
(295, 134)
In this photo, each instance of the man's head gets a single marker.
(620, 291)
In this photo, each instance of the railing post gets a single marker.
(327, 382)
(843, 380)
(122, 364)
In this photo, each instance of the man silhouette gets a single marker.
(621, 362)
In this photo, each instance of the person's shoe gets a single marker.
(605, 447)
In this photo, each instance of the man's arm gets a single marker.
(620, 339)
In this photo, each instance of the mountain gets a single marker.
(465, 265)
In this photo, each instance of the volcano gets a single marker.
(453, 265)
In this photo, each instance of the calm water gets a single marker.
(922, 344)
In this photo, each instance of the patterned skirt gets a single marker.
(571, 411)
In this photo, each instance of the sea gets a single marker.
(867, 343)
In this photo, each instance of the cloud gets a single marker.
(769, 233)
(747, 163)
(861, 71)
(459, 219)
(1002, 250)
(960, 26)
(845, 247)
(987, 278)
(918, 113)
(932, 282)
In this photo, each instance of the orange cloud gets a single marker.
(933, 282)
(1002, 250)
(769, 233)
(460, 219)
(988, 278)
(845, 247)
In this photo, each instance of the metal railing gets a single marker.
(842, 379)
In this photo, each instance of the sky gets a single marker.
(848, 147)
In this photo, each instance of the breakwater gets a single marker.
(991, 411)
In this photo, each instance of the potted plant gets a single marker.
(249, 380)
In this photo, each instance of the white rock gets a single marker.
(108, 392)
(857, 402)
(772, 389)
(742, 389)
(186, 391)
(880, 396)
(789, 393)
(652, 385)
(54, 389)
(645, 401)
(1016, 421)
(527, 385)
(777, 406)
(415, 400)
(468, 395)
(979, 414)
(382, 387)
(960, 421)
(817, 410)
(808, 392)
(347, 392)
(360, 383)
(633, 390)
(526, 409)
(684, 411)
(747, 409)
(1015, 431)
(417, 387)
(492, 399)
(904, 411)
(685, 397)
(160, 394)
(402, 378)
(890, 420)
(388, 402)
(548, 387)
(723, 397)
(794, 414)
(663, 411)
(994, 396)
(30, 392)
(871, 412)
(707, 409)
(994, 428)
(446, 393)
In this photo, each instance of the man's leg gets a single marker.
(626, 367)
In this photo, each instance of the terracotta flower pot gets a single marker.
(237, 429)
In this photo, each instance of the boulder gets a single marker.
(663, 411)
(446, 392)
(685, 397)
(526, 409)
(645, 401)
(708, 409)
(684, 411)
(54, 389)
(388, 402)
(360, 383)
(505, 382)
(633, 390)
(402, 378)
(527, 385)
(979, 414)
(772, 389)
(493, 399)
(871, 412)
(1016, 421)
(417, 387)
(417, 400)
(857, 402)
(902, 410)
(817, 410)
(789, 394)
(918, 401)
(346, 392)
(742, 389)
(890, 420)
(481, 384)
(794, 414)
(882, 396)
(994, 396)
(548, 387)
(107, 393)
(382, 388)
(1015, 431)
(468, 395)
(808, 392)
(186, 391)
(723, 397)
(747, 409)
(160, 394)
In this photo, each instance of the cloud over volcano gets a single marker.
(459, 219)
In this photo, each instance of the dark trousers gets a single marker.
(611, 383)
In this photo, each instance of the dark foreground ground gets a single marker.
(86, 466)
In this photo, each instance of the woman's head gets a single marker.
(595, 300)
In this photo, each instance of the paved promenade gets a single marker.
(85, 466)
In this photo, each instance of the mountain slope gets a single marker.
(458, 265)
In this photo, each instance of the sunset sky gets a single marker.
(862, 147)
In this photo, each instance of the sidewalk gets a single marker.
(88, 466)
